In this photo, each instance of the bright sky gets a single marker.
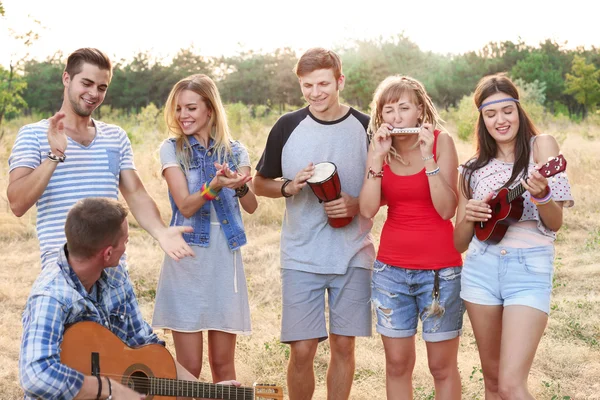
(122, 28)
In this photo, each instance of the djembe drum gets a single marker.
(325, 184)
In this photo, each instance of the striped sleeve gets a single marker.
(26, 150)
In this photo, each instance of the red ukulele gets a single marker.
(92, 349)
(507, 205)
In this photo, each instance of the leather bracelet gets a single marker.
(283, 193)
(109, 389)
(55, 158)
(99, 387)
(241, 191)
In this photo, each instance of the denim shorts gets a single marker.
(303, 298)
(495, 275)
(402, 296)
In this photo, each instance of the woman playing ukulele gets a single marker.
(506, 285)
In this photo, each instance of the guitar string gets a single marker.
(150, 382)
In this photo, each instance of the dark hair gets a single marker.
(87, 55)
(93, 224)
(318, 58)
(486, 145)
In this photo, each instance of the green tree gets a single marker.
(11, 89)
(584, 84)
(44, 84)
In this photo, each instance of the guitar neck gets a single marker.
(515, 192)
(173, 387)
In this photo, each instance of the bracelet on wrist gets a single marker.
(283, 193)
(544, 200)
(109, 389)
(207, 192)
(374, 174)
(241, 191)
(55, 158)
(432, 173)
(427, 158)
(99, 387)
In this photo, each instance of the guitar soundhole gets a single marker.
(138, 381)
(497, 208)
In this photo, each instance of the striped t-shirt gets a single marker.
(88, 171)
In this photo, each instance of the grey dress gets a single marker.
(205, 292)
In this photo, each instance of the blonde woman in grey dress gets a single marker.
(208, 175)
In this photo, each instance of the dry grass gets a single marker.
(568, 359)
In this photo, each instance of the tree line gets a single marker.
(569, 78)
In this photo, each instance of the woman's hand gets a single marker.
(536, 184)
(225, 177)
(426, 139)
(382, 140)
(478, 210)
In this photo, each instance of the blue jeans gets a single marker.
(401, 296)
(495, 275)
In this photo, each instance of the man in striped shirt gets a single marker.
(72, 156)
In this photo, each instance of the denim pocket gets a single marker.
(114, 161)
(450, 273)
(539, 264)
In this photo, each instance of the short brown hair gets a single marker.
(318, 58)
(87, 55)
(93, 224)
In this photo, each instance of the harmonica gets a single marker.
(405, 131)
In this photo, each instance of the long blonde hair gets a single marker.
(391, 90)
(219, 130)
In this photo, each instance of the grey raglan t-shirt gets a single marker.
(308, 242)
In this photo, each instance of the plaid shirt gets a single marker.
(57, 299)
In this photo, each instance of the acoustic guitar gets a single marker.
(92, 349)
(507, 205)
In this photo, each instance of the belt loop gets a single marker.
(521, 256)
(484, 248)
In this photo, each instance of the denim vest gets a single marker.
(201, 170)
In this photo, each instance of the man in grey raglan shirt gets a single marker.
(316, 257)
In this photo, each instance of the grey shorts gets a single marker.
(303, 298)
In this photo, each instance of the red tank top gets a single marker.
(414, 236)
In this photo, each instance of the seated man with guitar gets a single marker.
(89, 283)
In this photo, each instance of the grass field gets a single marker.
(567, 365)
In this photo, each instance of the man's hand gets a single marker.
(299, 181)
(172, 242)
(345, 206)
(120, 391)
(57, 138)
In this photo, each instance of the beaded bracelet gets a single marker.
(207, 192)
(544, 200)
(427, 158)
(374, 174)
(55, 158)
(109, 389)
(432, 173)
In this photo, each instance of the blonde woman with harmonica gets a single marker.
(417, 270)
